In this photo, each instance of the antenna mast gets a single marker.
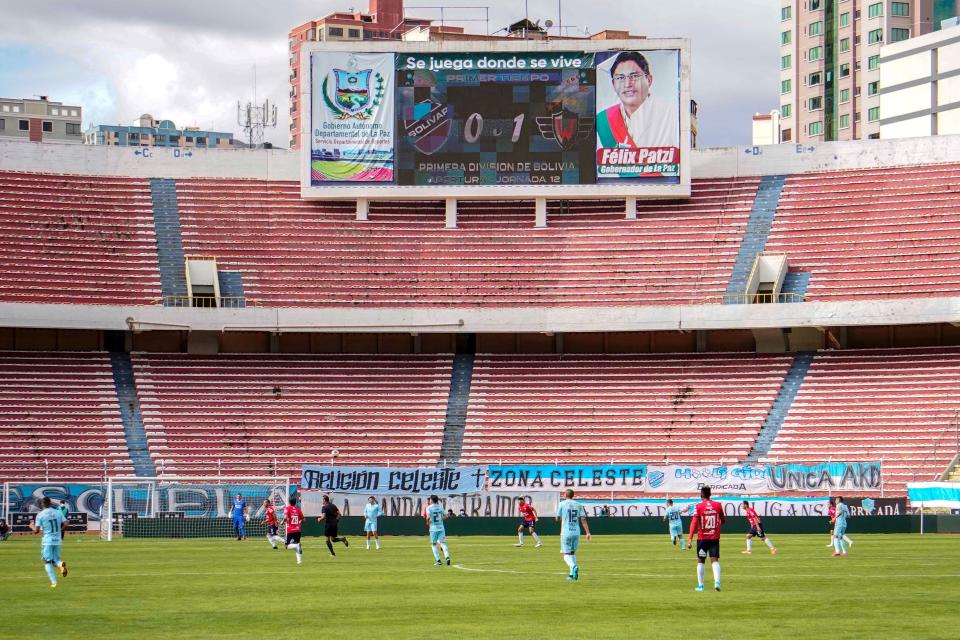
(254, 117)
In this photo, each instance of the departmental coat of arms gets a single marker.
(353, 96)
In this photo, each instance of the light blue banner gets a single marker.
(630, 477)
(934, 494)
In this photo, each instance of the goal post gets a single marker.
(187, 507)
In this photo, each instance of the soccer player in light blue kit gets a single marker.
(840, 527)
(570, 515)
(239, 511)
(371, 511)
(51, 523)
(672, 517)
(438, 534)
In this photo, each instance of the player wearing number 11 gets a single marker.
(51, 523)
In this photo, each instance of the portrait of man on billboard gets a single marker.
(638, 118)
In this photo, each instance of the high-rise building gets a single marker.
(830, 62)
(384, 20)
(39, 120)
(920, 85)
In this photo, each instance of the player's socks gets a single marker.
(571, 561)
(446, 551)
(769, 543)
(848, 541)
(520, 537)
(436, 552)
(376, 541)
(683, 544)
(49, 569)
(299, 554)
(836, 545)
(536, 537)
(701, 569)
(368, 544)
(716, 574)
(843, 546)
(330, 547)
(749, 545)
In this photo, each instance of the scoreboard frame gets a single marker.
(374, 191)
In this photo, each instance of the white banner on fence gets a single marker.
(535, 478)
(473, 505)
(393, 480)
(654, 507)
(746, 479)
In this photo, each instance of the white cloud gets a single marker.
(191, 61)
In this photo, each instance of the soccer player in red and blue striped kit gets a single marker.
(707, 519)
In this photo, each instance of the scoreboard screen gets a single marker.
(529, 119)
(495, 127)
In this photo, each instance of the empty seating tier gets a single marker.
(265, 414)
(59, 418)
(872, 233)
(77, 239)
(297, 253)
(897, 406)
(698, 408)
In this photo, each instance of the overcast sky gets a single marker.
(190, 61)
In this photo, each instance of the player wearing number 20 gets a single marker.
(707, 519)
(51, 523)
(570, 515)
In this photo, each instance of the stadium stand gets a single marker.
(872, 233)
(698, 408)
(76, 239)
(59, 417)
(247, 414)
(297, 253)
(898, 406)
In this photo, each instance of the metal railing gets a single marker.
(762, 298)
(209, 302)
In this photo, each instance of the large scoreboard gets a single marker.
(560, 119)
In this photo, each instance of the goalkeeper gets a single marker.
(239, 517)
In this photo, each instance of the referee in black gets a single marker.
(330, 515)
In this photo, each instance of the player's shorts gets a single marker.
(438, 536)
(50, 553)
(840, 530)
(530, 524)
(757, 531)
(271, 529)
(330, 530)
(370, 526)
(569, 543)
(293, 537)
(676, 531)
(708, 548)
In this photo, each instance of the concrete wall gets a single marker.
(275, 164)
(681, 318)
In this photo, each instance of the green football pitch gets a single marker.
(889, 586)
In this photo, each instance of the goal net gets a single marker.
(188, 507)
